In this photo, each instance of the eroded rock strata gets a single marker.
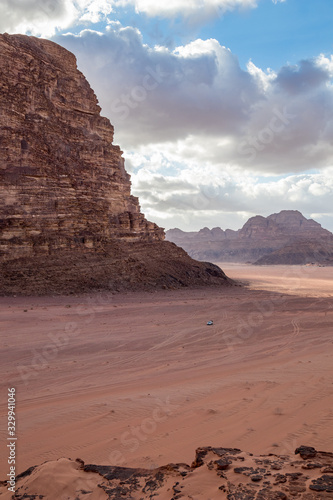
(283, 238)
(67, 216)
(216, 473)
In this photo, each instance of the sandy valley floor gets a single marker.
(141, 380)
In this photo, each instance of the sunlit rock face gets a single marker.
(63, 182)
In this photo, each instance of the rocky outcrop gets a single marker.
(259, 238)
(64, 181)
(217, 473)
(67, 216)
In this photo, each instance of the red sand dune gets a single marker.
(140, 380)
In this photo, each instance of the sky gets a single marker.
(223, 108)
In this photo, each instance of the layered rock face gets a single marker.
(259, 238)
(64, 189)
(286, 223)
(64, 181)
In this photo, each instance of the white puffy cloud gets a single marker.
(326, 63)
(195, 8)
(36, 17)
(93, 10)
(196, 88)
(263, 78)
(46, 17)
(196, 99)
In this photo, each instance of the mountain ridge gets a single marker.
(258, 238)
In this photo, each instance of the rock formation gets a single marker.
(260, 238)
(66, 198)
(65, 182)
(216, 473)
(301, 252)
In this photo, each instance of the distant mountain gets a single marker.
(283, 238)
(301, 252)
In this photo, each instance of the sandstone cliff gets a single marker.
(64, 181)
(216, 473)
(68, 221)
(259, 238)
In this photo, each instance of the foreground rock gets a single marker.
(224, 473)
(68, 221)
(283, 238)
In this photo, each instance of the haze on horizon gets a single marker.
(222, 107)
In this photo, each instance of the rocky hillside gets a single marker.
(259, 238)
(301, 252)
(68, 220)
(216, 473)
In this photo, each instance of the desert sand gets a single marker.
(140, 380)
